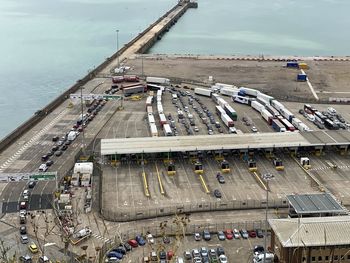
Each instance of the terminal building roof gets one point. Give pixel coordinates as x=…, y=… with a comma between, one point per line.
x=223, y=142
x=312, y=231
x=315, y=204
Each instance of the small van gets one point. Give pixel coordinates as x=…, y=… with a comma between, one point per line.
x=232, y=130
x=43, y=168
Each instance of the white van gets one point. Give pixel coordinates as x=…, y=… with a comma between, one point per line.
x=43, y=168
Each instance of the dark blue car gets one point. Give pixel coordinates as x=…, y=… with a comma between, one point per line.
x=115, y=254
x=140, y=240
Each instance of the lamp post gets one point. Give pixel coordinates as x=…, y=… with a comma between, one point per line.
x=117, y=46
x=266, y=177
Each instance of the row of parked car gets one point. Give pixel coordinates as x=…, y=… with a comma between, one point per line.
x=230, y=234
x=205, y=255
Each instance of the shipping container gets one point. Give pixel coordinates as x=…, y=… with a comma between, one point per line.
x=167, y=130
x=215, y=98
x=301, y=77
x=277, y=105
x=221, y=102
x=157, y=80
x=267, y=116
x=117, y=79
x=125, y=86
x=131, y=78
x=162, y=119
x=151, y=118
x=257, y=106
x=288, y=125
x=230, y=112
x=248, y=91
x=149, y=109
x=154, y=131
x=149, y=101
x=229, y=91
x=287, y=114
x=134, y=90
x=278, y=126
x=275, y=113
x=263, y=97
x=292, y=64
x=201, y=91
x=160, y=108
x=241, y=99
x=223, y=85
x=296, y=122
x=227, y=120
x=219, y=110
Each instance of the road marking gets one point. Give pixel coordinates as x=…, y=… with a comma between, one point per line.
x=310, y=86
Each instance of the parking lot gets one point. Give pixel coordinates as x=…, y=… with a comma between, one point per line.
x=236, y=249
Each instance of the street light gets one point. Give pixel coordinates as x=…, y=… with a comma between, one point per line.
x=118, y=46
x=266, y=177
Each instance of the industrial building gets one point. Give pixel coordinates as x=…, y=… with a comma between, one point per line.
x=313, y=239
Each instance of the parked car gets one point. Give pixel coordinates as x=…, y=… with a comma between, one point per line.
x=204, y=252
x=187, y=255
x=166, y=240
x=259, y=233
x=206, y=235
x=220, y=251
x=140, y=240
x=33, y=248
x=217, y=193
x=221, y=235
x=150, y=238
x=223, y=259
x=244, y=233
x=23, y=230
x=58, y=153
x=220, y=178
x=197, y=236
x=49, y=163
x=24, y=239
x=252, y=233
x=133, y=243
x=31, y=184
x=229, y=233
x=25, y=259
x=236, y=234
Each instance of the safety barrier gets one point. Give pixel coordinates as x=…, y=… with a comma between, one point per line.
x=122, y=214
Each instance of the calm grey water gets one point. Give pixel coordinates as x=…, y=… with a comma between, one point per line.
x=47, y=45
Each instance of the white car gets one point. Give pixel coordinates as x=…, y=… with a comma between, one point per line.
x=43, y=168
x=150, y=239
x=236, y=234
x=223, y=259
x=197, y=236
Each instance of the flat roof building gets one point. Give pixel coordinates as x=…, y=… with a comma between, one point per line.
x=311, y=205
x=317, y=239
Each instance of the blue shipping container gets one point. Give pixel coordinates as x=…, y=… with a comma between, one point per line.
x=301, y=77
x=292, y=65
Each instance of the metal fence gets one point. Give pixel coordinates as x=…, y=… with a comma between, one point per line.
x=128, y=214
x=172, y=230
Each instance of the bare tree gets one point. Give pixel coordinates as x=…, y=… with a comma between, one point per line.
x=4, y=253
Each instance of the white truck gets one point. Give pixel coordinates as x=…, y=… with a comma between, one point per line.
x=167, y=130
x=227, y=120
x=71, y=136
x=277, y=105
x=248, y=91
x=151, y=118
x=257, y=106
x=153, y=128
x=265, y=98
x=222, y=102
x=201, y=91
x=227, y=91
x=158, y=80
x=81, y=235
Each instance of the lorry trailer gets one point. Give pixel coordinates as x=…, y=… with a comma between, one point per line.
x=134, y=90
x=203, y=92
x=278, y=126
x=227, y=120
x=158, y=80
x=230, y=112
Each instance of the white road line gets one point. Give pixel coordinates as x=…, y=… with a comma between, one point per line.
x=310, y=86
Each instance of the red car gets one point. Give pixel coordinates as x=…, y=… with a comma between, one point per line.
x=133, y=243
x=228, y=233
x=170, y=254
x=252, y=233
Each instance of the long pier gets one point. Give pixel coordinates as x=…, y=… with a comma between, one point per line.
x=141, y=43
